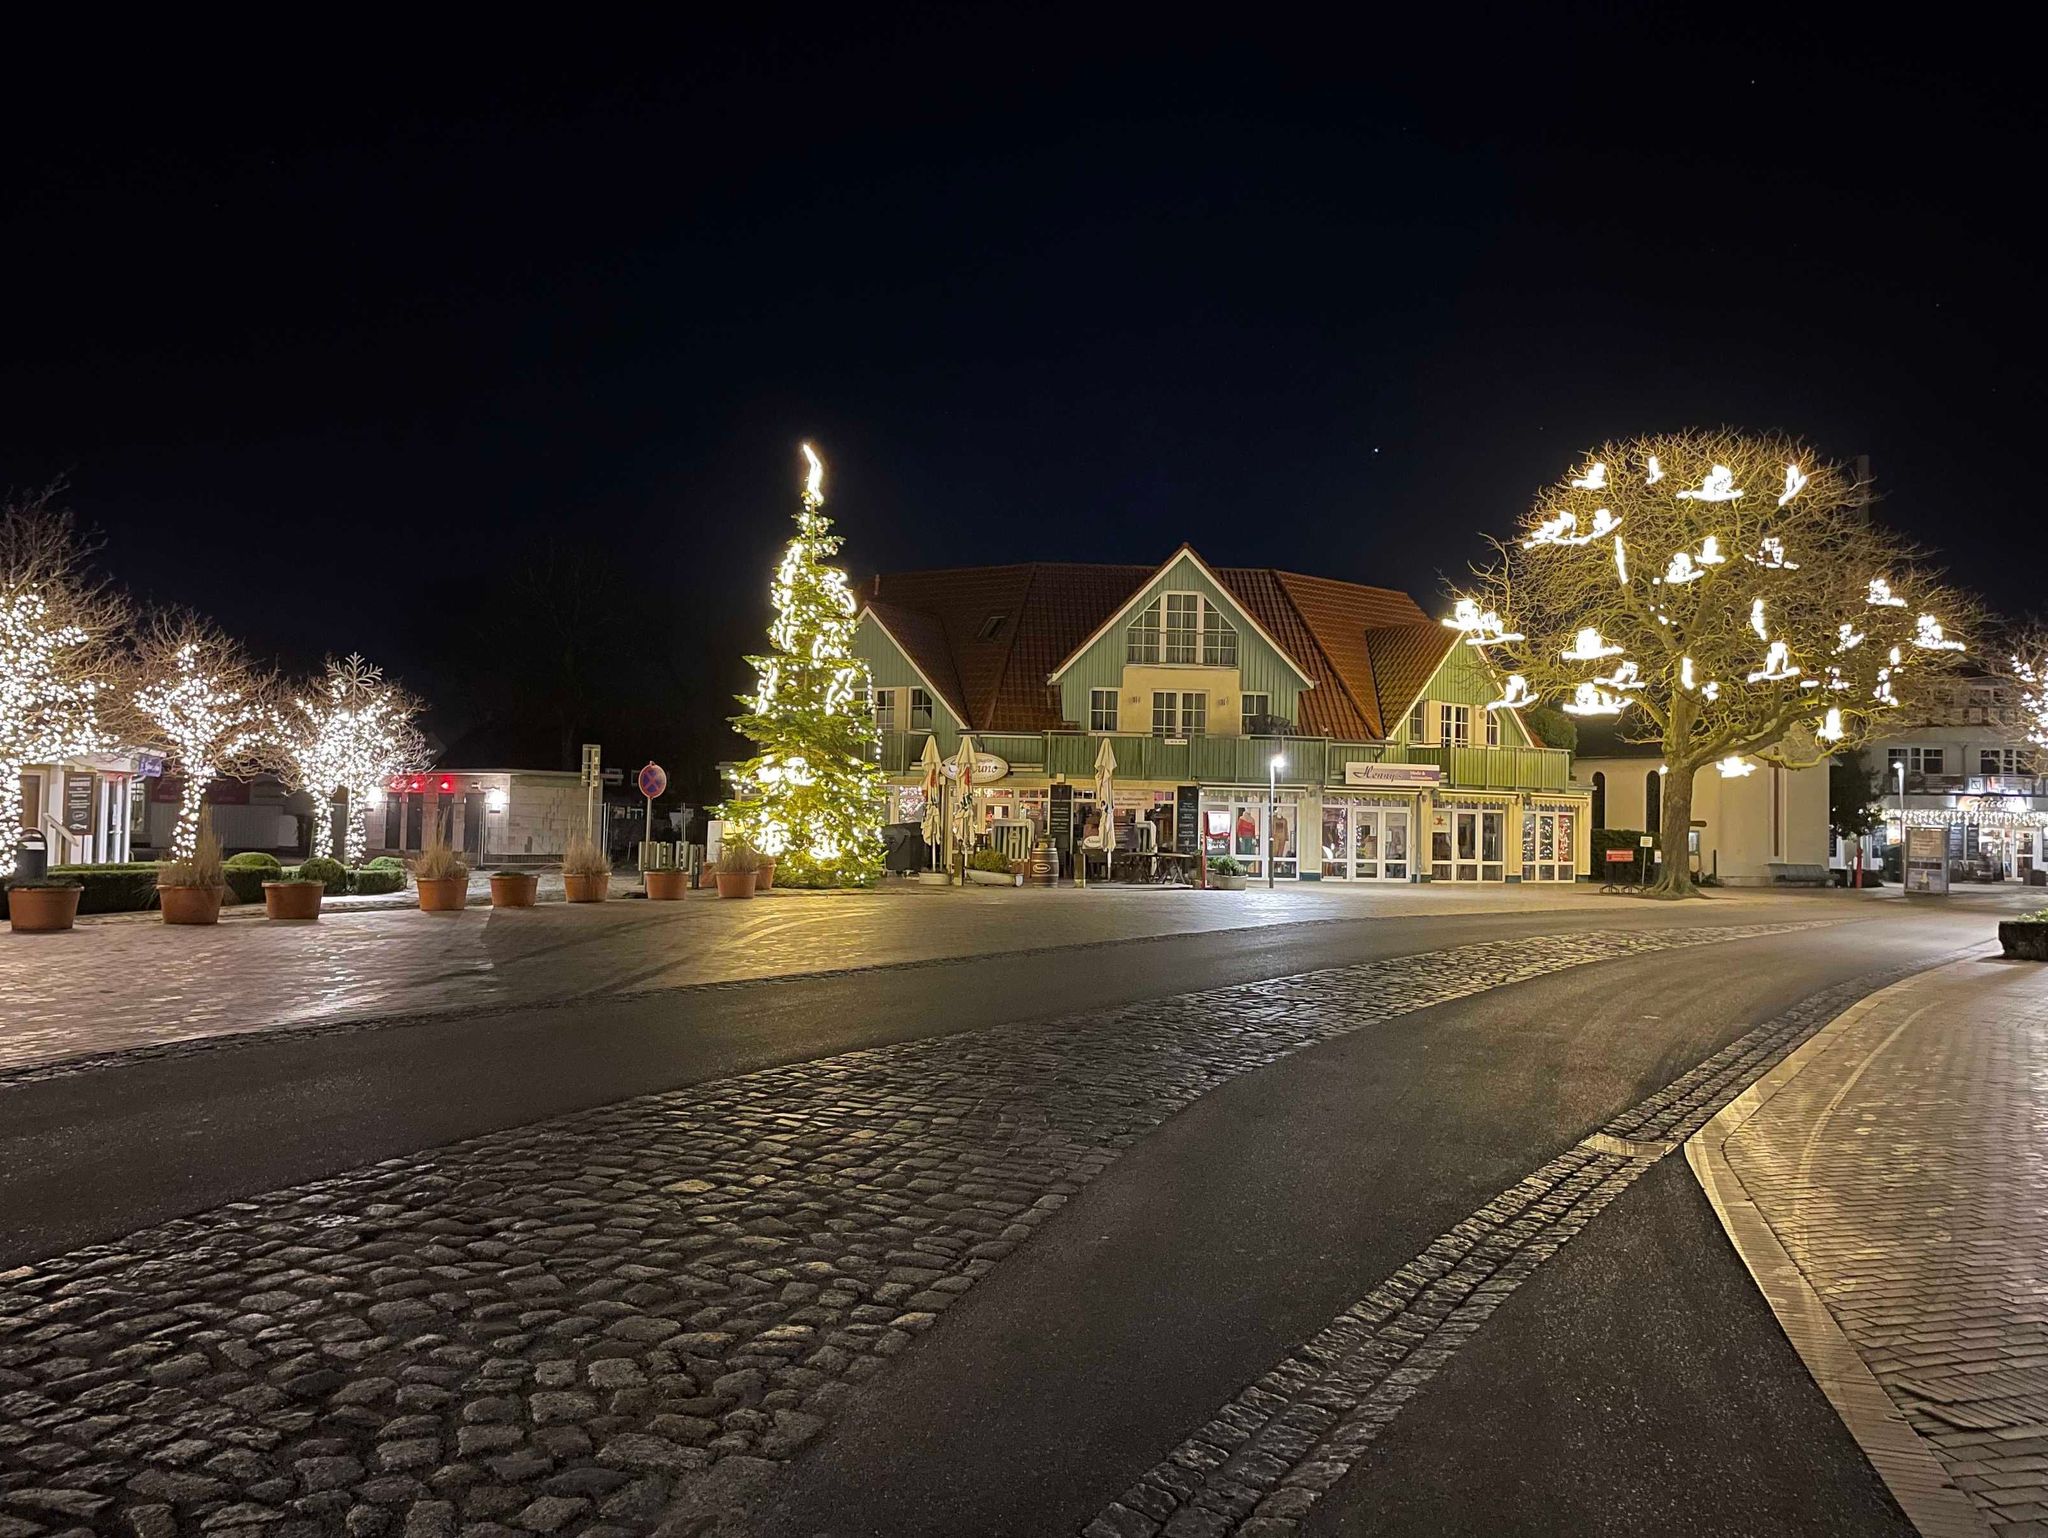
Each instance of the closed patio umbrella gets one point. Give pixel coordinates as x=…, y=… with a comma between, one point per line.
x=963, y=794
x=933, y=823
x=1105, y=798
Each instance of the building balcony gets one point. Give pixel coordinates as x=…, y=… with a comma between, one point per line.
x=1242, y=760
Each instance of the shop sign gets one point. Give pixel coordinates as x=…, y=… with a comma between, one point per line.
x=987, y=767
x=149, y=765
x=78, y=790
x=1060, y=818
x=1927, y=859
x=1186, y=818
x=1394, y=776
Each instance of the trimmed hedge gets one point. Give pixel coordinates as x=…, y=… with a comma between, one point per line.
x=386, y=862
x=331, y=874
x=376, y=880
x=247, y=872
x=129, y=888
x=1630, y=839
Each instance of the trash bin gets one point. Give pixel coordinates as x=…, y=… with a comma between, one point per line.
x=32, y=857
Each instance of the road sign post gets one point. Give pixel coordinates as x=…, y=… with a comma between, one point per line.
x=593, y=777
x=653, y=781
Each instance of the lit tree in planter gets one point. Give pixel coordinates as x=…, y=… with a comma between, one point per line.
x=811, y=796
x=350, y=732
x=1726, y=597
x=2029, y=672
x=59, y=657
x=202, y=698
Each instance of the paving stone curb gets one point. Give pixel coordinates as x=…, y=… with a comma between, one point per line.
x=561, y=1327
x=1257, y=1468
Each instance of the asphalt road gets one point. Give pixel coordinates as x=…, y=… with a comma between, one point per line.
x=1636, y=1384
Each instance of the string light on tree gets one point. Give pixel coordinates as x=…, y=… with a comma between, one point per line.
x=1517, y=694
x=1928, y=636
x=348, y=734
x=811, y=796
x=1735, y=767
x=1564, y=529
x=1480, y=628
x=204, y=700
x=1831, y=728
x=1595, y=478
x=1705, y=649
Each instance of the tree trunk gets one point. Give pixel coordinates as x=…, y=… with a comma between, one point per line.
x=1674, y=877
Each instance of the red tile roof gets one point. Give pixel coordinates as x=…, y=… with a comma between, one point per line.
x=994, y=674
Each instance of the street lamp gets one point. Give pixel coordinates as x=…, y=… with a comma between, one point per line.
x=1899, y=774
x=1273, y=767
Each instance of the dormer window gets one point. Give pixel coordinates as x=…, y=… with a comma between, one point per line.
x=990, y=628
x=1181, y=628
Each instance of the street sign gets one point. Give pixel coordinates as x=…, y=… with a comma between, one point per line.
x=653, y=780
x=612, y=777
x=593, y=758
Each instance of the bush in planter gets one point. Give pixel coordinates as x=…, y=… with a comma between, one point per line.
x=331, y=874
x=376, y=881
x=1225, y=865
x=385, y=862
x=989, y=858
x=246, y=873
x=735, y=858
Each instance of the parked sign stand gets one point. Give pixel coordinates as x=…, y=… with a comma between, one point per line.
x=653, y=781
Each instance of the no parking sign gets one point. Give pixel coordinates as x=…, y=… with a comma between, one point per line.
x=653, y=780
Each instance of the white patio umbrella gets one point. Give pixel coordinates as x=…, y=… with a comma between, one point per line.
x=963, y=794
x=1105, y=795
x=933, y=823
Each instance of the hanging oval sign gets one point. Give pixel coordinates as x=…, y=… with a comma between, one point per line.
x=986, y=767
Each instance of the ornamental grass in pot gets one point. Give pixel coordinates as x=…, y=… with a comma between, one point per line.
x=514, y=888
x=189, y=890
x=666, y=885
x=295, y=897
x=586, y=872
x=441, y=875
x=43, y=904
x=738, y=869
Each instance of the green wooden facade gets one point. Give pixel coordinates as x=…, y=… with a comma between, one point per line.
x=888, y=668
x=1464, y=680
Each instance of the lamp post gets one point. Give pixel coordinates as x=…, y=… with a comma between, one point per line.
x=1899, y=774
x=1273, y=767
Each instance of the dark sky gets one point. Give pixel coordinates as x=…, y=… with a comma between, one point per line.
x=328, y=333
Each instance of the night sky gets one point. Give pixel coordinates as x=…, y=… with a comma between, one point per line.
x=395, y=342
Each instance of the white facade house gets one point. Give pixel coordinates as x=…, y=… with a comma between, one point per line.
x=1969, y=769
x=1745, y=819
x=85, y=808
x=508, y=817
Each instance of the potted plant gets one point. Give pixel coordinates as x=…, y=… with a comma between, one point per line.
x=764, y=872
x=739, y=869
x=989, y=866
x=293, y=897
x=190, y=890
x=2026, y=937
x=666, y=885
x=441, y=875
x=1226, y=873
x=43, y=904
x=514, y=888
x=586, y=872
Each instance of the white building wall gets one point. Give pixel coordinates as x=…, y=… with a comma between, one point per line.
x=1747, y=829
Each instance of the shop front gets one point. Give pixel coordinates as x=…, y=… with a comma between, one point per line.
x=1550, y=840
x=1368, y=838
x=1235, y=823
x=1468, y=841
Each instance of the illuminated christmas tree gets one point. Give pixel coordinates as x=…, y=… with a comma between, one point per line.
x=1722, y=596
x=811, y=796
x=352, y=732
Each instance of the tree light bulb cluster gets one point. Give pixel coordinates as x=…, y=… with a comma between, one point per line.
x=351, y=733
x=1718, y=486
x=1589, y=646
x=49, y=709
x=1735, y=767
x=1480, y=629
x=1770, y=554
x=1516, y=695
x=1928, y=636
x=1591, y=700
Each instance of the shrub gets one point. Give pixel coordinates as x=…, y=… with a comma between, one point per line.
x=736, y=857
x=109, y=888
x=246, y=873
x=1630, y=839
x=1225, y=865
x=989, y=858
x=331, y=874
x=376, y=880
x=386, y=862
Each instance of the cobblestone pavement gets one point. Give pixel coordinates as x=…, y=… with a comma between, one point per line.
x=112, y=988
x=1905, y=1171
x=559, y=1328
x=1259, y=1467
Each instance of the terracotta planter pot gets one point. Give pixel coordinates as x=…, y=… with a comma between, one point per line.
x=667, y=886
x=739, y=883
x=36, y=910
x=764, y=877
x=190, y=904
x=292, y=899
x=442, y=894
x=587, y=889
x=509, y=889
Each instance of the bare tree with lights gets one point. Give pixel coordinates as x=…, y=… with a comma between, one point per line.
x=216, y=711
x=2027, y=674
x=348, y=732
x=61, y=662
x=1726, y=597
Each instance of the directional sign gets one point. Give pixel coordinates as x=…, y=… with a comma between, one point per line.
x=653, y=780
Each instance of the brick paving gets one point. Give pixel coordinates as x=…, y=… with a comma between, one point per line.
x=1260, y=1465
x=1905, y=1171
x=563, y=1327
x=120, y=987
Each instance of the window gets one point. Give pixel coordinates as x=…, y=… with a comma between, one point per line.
x=1102, y=710
x=1454, y=725
x=1183, y=629
x=1418, y=722
x=1255, y=709
x=2001, y=761
x=1141, y=641
x=885, y=710
x=1179, y=714
x=1653, y=802
x=990, y=628
x=1929, y=760
x=920, y=711
x=1599, y=799
x=1183, y=626
x=1493, y=728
